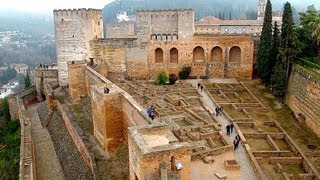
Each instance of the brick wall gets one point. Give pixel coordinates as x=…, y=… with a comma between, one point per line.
x=146, y=165
x=77, y=80
x=13, y=107
x=304, y=98
x=134, y=60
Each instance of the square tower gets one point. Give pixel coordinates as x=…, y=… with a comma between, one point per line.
x=261, y=9
x=74, y=29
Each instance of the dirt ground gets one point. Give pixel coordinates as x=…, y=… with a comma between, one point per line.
x=299, y=132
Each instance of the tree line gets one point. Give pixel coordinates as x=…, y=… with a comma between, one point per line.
x=278, y=49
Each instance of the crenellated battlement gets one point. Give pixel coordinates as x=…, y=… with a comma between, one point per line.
x=165, y=10
x=77, y=12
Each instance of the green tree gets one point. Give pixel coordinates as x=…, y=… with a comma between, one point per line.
x=27, y=81
x=272, y=60
x=287, y=53
x=265, y=41
x=316, y=33
x=185, y=72
x=307, y=34
x=162, y=78
x=4, y=109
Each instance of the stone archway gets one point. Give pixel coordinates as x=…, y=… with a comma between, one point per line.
x=158, y=55
x=198, y=54
x=216, y=54
x=235, y=55
x=174, y=55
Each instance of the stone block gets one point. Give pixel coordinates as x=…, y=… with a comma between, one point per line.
x=231, y=165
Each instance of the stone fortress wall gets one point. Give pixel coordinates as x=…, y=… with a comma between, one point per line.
x=120, y=30
x=158, y=40
x=164, y=23
x=74, y=29
x=112, y=113
x=303, y=98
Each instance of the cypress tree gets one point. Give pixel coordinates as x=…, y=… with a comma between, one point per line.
x=272, y=60
x=27, y=81
x=287, y=53
x=265, y=41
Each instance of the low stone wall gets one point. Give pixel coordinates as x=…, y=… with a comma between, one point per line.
x=286, y=160
x=27, y=165
x=303, y=98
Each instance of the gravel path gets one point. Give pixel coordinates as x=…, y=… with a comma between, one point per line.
x=246, y=169
x=71, y=160
x=47, y=162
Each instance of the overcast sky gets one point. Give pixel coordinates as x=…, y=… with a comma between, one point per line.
x=49, y=5
x=46, y=6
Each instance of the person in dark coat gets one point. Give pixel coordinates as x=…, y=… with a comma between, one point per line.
x=231, y=127
x=228, y=129
x=235, y=144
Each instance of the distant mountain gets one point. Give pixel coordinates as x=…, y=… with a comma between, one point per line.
x=237, y=8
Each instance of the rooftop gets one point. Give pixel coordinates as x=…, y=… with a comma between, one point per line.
x=155, y=138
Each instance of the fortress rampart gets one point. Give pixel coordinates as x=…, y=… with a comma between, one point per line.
x=304, y=96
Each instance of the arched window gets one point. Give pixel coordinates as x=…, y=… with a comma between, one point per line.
x=235, y=54
x=198, y=54
x=174, y=55
x=158, y=55
x=216, y=54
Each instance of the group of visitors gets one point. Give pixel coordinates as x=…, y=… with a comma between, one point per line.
x=151, y=112
x=219, y=111
x=200, y=86
x=229, y=128
x=45, y=66
x=236, y=142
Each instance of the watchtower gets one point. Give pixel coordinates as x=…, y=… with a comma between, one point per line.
x=261, y=9
x=74, y=29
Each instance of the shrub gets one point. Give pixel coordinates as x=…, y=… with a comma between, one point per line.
x=172, y=79
x=185, y=72
x=162, y=78
x=309, y=64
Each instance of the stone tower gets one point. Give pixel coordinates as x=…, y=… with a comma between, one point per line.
x=261, y=9
x=74, y=29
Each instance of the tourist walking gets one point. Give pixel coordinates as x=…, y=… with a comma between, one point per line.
x=151, y=112
x=228, y=129
x=199, y=85
x=217, y=111
x=220, y=110
x=235, y=144
x=106, y=90
x=238, y=138
x=231, y=127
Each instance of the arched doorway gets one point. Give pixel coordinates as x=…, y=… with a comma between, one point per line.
x=159, y=55
x=235, y=55
x=216, y=54
x=174, y=55
x=198, y=54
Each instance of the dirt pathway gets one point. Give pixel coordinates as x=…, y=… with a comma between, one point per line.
x=47, y=162
x=240, y=154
